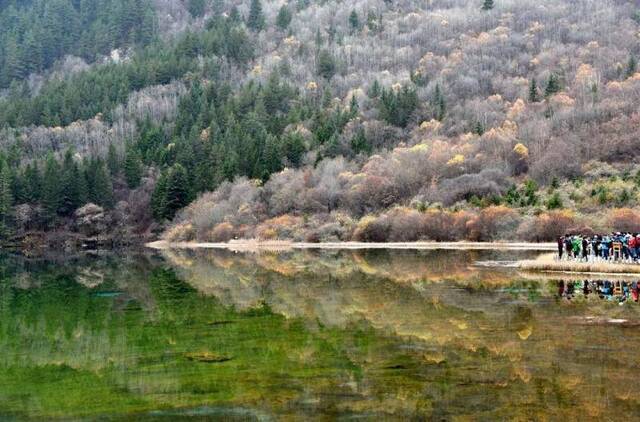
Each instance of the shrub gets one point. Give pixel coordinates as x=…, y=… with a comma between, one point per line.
x=181, y=232
x=486, y=184
x=493, y=223
x=406, y=225
x=284, y=227
x=624, y=219
x=547, y=226
x=372, y=229
x=554, y=202
x=223, y=232
x=439, y=225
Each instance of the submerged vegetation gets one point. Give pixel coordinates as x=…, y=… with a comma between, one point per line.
x=307, y=333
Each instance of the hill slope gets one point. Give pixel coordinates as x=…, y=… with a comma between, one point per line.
x=328, y=120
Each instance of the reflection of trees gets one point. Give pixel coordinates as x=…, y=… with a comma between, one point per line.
x=476, y=325
x=422, y=335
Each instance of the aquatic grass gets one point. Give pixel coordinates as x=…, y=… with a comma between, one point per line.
x=547, y=262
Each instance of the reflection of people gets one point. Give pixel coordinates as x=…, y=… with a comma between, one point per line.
x=621, y=291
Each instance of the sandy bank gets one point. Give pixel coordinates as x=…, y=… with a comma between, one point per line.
x=547, y=263
x=284, y=245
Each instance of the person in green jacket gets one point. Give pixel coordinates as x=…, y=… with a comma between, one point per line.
x=576, y=244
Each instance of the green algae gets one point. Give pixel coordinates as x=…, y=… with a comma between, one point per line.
x=249, y=338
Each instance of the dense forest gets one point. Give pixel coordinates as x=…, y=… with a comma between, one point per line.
x=318, y=120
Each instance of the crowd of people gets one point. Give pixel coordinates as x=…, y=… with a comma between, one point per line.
x=609, y=247
x=620, y=291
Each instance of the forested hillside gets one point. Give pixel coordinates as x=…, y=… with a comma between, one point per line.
x=318, y=120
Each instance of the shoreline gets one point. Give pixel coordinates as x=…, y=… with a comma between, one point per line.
x=286, y=245
x=547, y=263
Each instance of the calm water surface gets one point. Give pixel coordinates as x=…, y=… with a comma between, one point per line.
x=423, y=335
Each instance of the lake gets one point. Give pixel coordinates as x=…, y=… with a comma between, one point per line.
x=379, y=334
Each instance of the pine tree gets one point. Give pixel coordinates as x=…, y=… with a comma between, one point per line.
x=294, y=149
x=196, y=8
x=100, y=189
x=354, y=21
x=354, y=107
x=133, y=168
x=159, y=197
x=217, y=7
x=32, y=183
x=271, y=158
x=553, y=86
x=439, y=104
x=359, y=142
x=478, y=128
x=533, y=91
x=113, y=161
x=487, y=5
x=374, y=89
x=256, y=21
x=51, y=189
x=177, y=193
x=372, y=21
x=284, y=17
x=6, y=199
x=326, y=64
x=631, y=66
x=70, y=192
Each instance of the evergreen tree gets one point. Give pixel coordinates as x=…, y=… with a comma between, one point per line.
x=354, y=107
x=631, y=66
x=553, y=86
x=218, y=7
x=354, y=21
x=177, y=193
x=359, y=142
x=487, y=5
x=326, y=66
x=113, y=161
x=51, y=189
x=70, y=189
x=372, y=21
x=284, y=17
x=100, y=189
x=439, y=104
x=374, y=89
x=133, y=167
x=32, y=189
x=159, y=197
x=196, y=8
x=256, y=21
x=397, y=107
x=294, y=149
x=533, y=91
x=6, y=199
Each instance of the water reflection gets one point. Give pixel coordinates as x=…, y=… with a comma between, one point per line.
x=612, y=290
x=333, y=334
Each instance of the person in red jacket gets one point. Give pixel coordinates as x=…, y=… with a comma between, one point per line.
x=632, y=245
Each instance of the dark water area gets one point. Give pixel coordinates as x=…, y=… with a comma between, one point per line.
x=393, y=335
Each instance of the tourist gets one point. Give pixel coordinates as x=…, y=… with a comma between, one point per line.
x=567, y=245
x=560, y=247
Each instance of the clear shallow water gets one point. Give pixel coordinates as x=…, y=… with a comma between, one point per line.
x=207, y=335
